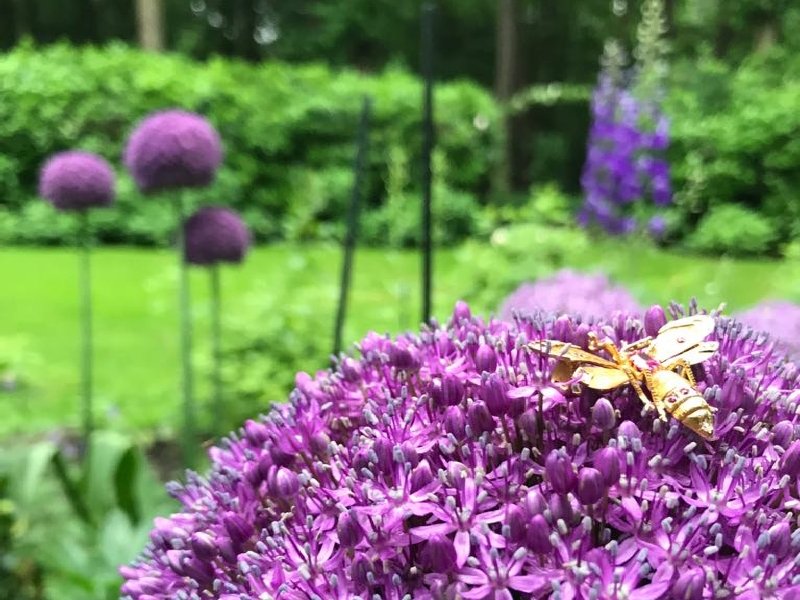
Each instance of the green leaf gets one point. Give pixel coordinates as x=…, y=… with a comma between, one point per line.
x=126, y=477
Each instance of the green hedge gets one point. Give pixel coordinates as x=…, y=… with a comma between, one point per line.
x=288, y=132
x=737, y=144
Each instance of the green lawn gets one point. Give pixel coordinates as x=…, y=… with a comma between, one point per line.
x=136, y=367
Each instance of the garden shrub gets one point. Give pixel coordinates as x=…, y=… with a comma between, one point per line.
x=288, y=132
x=735, y=143
x=732, y=229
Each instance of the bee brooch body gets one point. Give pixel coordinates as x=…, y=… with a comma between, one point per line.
x=661, y=366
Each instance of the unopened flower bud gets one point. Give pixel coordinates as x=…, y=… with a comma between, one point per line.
x=603, y=415
x=349, y=529
x=461, y=312
x=479, y=418
x=790, y=461
x=561, y=508
x=351, y=370
x=783, y=434
x=527, y=423
x=629, y=430
x=580, y=336
x=237, y=528
x=535, y=502
x=606, y=460
x=690, y=585
x=562, y=329
x=486, y=359
x=779, y=539
x=517, y=523
x=591, y=485
x=493, y=392
x=420, y=476
x=256, y=433
x=455, y=422
x=439, y=554
x=654, y=319
x=560, y=472
x=402, y=358
x=538, y=536
x=360, y=569
x=447, y=391
x=283, y=483
x=203, y=546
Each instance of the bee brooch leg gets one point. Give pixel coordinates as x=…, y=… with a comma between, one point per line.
x=685, y=371
x=655, y=403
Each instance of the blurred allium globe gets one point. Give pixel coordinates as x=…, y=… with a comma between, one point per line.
x=446, y=465
x=779, y=319
x=214, y=235
x=588, y=295
x=173, y=149
x=77, y=180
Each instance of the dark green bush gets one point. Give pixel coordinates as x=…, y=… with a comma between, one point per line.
x=288, y=132
x=736, y=143
x=735, y=230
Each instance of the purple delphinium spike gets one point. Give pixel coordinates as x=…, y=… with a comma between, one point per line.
x=368, y=484
x=625, y=157
x=570, y=292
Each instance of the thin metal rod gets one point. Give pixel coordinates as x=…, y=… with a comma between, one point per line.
x=216, y=347
x=428, y=10
x=352, y=223
x=85, y=285
x=184, y=305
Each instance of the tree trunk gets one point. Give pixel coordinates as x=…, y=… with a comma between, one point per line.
x=505, y=82
x=150, y=23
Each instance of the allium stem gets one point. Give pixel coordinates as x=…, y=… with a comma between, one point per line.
x=184, y=303
x=85, y=285
x=427, y=152
x=352, y=223
x=216, y=345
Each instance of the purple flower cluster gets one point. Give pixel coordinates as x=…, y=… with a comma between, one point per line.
x=624, y=162
x=77, y=180
x=572, y=293
x=173, y=149
x=215, y=234
x=780, y=320
x=447, y=465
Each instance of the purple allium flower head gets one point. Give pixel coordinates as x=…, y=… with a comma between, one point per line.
x=780, y=320
x=413, y=497
x=76, y=180
x=173, y=149
x=215, y=234
x=570, y=292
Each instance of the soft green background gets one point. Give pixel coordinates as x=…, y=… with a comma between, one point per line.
x=135, y=310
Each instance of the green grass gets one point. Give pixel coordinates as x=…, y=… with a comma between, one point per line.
x=136, y=321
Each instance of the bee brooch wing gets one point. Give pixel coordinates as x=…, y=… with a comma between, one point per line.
x=595, y=371
x=601, y=378
x=569, y=352
x=683, y=340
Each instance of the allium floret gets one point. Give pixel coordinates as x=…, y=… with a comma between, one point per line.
x=570, y=292
x=215, y=235
x=375, y=482
x=173, y=149
x=77, y=180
